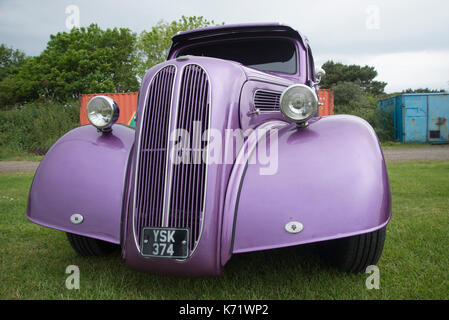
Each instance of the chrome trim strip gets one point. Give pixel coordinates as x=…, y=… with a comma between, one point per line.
x=167, y=209
x=164, y=212
x=263, y=77
x=267, y=90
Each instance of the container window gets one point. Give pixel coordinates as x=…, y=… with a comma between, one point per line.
x=434, y=134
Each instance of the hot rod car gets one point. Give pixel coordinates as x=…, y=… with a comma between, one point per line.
x=228, y=156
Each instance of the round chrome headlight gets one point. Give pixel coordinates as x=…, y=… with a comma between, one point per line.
x=102, y=112
x=299, y=103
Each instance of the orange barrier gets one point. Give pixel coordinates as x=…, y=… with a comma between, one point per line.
x=128, y=101
x=326, y=98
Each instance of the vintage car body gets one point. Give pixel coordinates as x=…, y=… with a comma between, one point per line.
x=329, y=179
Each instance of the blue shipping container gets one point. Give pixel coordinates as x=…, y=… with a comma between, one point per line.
x=418, y=118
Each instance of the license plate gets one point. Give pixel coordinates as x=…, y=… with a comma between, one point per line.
x=165, y=242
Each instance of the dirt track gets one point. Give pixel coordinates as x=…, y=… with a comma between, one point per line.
x=18, y=166
x=429, y=153
x=394, y=154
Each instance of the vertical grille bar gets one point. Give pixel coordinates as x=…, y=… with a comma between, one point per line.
x=152, y=153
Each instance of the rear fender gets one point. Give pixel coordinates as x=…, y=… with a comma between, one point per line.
x=331, y=178
x=83, y=173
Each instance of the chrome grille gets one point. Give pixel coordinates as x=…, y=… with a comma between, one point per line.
x=152, y=152
x=265, y=100
x=188, y=185
x=184, y=183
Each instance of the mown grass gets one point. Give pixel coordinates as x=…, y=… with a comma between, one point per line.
x=413, y=266
x=400, y=145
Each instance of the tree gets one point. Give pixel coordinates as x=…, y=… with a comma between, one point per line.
x=87, y=60
x=364, y=76
x=154, y=45
x=423, y=90
x=349, y=94
x=10, y=60
x=84, y=60
x=8, y=92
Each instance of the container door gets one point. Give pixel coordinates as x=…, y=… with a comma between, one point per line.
x=397, y=118
x=323, y=98
x=415, y=118
x=438, y=116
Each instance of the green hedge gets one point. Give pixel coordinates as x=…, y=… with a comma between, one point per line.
x=381, y=122
x=36, y=125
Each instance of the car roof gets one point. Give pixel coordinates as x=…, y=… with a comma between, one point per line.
x=233, y=30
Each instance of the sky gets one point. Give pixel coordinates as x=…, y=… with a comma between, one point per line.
x=406, y=41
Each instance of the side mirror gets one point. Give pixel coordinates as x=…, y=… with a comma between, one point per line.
x=319, y=72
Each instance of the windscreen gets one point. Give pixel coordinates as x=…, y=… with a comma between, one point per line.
x=272, y=55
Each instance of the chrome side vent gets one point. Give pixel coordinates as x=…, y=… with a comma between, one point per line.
x=266, y=101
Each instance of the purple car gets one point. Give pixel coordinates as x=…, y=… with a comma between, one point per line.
x=228, y=156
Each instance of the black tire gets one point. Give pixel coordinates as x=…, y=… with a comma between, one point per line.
x=354, y=254
x=88, y=247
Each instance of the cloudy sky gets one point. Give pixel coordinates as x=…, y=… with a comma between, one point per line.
x=406, y=41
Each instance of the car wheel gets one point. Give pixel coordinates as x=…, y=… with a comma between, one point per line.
x=354, y=254
x=86, y=246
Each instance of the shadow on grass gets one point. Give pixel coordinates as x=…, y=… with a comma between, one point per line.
x=285, y=273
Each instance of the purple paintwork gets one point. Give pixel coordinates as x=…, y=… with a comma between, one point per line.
x=331, y=175
x=341, y=192
x=83, y=173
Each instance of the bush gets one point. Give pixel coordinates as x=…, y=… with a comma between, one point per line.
x=350, y=99
x=37, y=125
x=385, y=126
x=382, y=122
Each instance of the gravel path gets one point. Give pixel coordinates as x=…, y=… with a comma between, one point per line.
x=18, y=166
x=437, y=152
x=392, y=154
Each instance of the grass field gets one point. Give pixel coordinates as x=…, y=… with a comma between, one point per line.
x=400, y=145
x=414, y=264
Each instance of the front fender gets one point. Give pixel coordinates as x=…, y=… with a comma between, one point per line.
x=83, y=173
x=331, y=177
